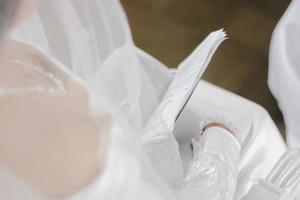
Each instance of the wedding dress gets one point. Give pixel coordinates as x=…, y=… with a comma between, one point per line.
x=284, y=73
x=124, y=169
x=92, y=41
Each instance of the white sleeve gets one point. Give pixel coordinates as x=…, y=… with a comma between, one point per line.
x=284, y=70
x=213, y=171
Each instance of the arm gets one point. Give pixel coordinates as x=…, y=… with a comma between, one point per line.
x=213, y=171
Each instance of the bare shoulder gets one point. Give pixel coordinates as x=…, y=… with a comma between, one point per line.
x=48, y=135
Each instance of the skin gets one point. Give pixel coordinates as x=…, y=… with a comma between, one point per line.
x=51, y=141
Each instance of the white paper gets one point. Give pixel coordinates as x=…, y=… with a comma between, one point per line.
x=181, y=88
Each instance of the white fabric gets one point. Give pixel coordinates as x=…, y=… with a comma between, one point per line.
x=13, y=189
x=284, y=70
x=261, y=142
x=131, y=80
x=288, y=180
x=92, y=39
x=103, y=56
x=214, y=166
x=102, y=47
x=158, y=138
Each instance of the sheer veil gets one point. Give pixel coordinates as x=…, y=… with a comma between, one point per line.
x=93, y=40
